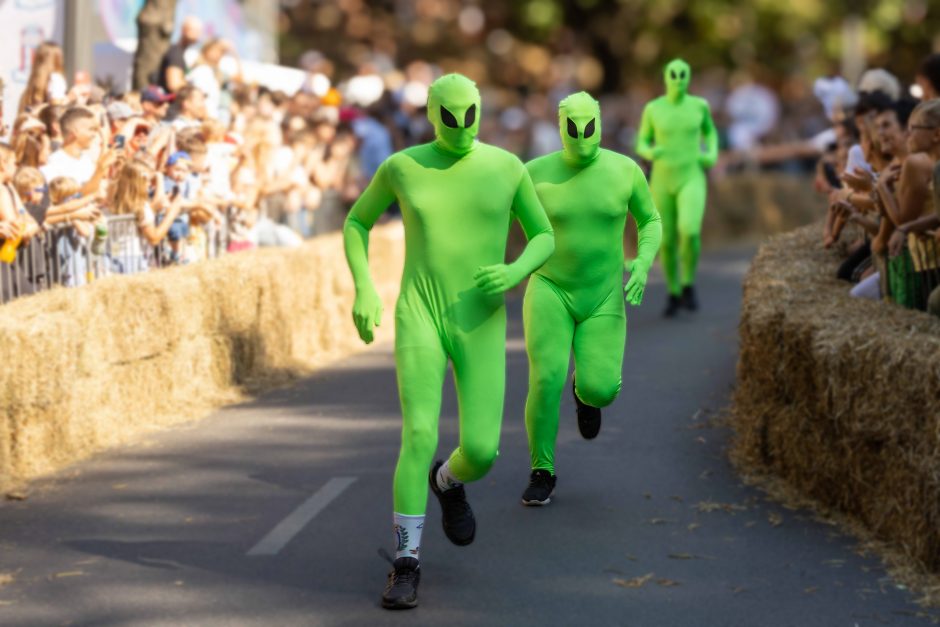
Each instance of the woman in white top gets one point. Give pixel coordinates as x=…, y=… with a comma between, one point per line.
x=207, y=76
x=46, y=83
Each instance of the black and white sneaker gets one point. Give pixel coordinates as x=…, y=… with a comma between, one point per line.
x=541, y=488
x=456, y=516
x=589, y=417
x=672, y=306
x=401, y=590
x=689, y=301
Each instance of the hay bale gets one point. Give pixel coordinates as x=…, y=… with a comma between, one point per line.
x=839, y=396
x=95, y=367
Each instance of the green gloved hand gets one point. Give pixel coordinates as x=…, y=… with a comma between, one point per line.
x=636, y=285
x=496, y=279
x=367, y=312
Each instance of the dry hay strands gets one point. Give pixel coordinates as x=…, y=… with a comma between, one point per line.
x=839, y=396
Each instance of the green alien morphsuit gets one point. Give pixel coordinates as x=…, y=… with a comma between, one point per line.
x=457, y=197
x=672, y=132
x=576, y=300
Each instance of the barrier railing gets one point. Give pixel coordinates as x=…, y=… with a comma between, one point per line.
x=60, y=256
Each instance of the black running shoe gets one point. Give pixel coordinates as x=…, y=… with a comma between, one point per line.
x=689, y=301
x=456, y=515
x=589, y=418
x=401, y=590
x=541, y=488
x=672, y=306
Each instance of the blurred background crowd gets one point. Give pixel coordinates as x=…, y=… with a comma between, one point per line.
x=194, y=155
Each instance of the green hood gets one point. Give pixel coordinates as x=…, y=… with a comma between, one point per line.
x=677, y=75
x=579, y=121
x=454, y=111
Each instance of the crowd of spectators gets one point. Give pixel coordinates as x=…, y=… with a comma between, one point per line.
x=881, y=173
x=197, y=163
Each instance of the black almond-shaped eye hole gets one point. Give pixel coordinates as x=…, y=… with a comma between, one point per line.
x=682, y=74
x=572, y=129
x=589, y=129
x=448, y=118
x=672, y=74
x=470, y=117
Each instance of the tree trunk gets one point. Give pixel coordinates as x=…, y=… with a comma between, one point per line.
x=154, y=29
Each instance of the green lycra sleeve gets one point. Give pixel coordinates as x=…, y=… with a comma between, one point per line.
x=367, y=310
x=644, y=138
x=538, y=230
x=710, y=137
x=648, y=223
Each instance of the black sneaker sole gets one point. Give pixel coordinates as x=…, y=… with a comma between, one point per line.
x=538, y=503
x=399, y=604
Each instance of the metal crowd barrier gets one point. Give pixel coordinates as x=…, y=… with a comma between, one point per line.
x=59, y=256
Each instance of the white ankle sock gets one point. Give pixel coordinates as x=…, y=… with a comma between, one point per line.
x=445, y=478
x=408, y=535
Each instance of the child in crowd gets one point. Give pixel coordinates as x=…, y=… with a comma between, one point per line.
x=131, y=194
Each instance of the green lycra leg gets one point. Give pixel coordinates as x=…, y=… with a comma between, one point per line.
x=479, y=359
x=669, y=249
x=549, y=332
x=599, y=343
x=691, y=211
x=421, y=364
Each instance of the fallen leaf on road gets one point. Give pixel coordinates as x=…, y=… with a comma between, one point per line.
x=706, y=474
x=17, y=496
x=632, y=558
x=661, y=521
x=667, y=582
x=5, y=578
x=712, y=506
x=636, y=582
x=694, y=526
x=119, y=486
x=701, y=440
x=678, y=499
x=750, y=523
x=835, y=563
x=70, y=573
x=811, y=590
x=775, y=519
x=738, y=590
x=6, y=603
x=681, y=556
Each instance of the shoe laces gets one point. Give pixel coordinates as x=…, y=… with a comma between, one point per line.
x=455, y=499
x=539, y=479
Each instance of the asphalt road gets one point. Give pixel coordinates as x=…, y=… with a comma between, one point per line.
x=272, y=512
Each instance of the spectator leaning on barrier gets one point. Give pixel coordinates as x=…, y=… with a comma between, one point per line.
x=131, y=193
x=80, y=129
x=897, y=182
x=914, y=206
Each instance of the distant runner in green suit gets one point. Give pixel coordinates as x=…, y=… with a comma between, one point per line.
x=673, y=129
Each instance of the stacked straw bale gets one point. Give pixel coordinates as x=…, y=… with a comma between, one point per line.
x=88, y=368
x=840, y=397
